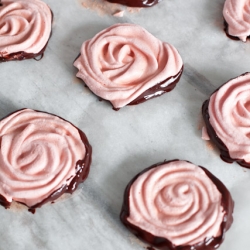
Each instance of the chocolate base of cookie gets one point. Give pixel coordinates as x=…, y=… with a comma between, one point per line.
x=82, y=170
x=163, y=243
x=19, y=56
x=224, y=153
x=136, y=3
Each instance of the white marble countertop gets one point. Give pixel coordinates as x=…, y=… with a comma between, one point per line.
x=127, y=141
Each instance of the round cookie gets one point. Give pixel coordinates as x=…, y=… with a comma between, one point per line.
x=126, y=65
x=25, y=28
x=236, y=15
x=42, y=156
x=227, y=118
x=177, y=205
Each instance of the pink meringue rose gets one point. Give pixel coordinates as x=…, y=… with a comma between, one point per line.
x=237, y=17
x=229, y=112
x=40, y=155
x=124, y=61
x=25, y=28
x=176, y=201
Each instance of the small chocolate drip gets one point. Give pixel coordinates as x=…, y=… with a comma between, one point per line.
x=4, y=202
x=150, y=248
x=39, y=58
x=164, y=244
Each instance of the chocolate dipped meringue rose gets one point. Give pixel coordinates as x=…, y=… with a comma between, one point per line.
x=126, y=65
x=136, y=3
x=25, y=28
x=236, y=14
x=176, y=205
x=227, y=118
x=42, y=156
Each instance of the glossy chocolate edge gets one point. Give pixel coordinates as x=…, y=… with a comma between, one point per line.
x=224, y=152
x=136, y=3
x=21, y=55
x=158, y=87
x=82, y=165
x=163, y=243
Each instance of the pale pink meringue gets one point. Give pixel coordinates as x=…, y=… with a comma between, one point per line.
x=237, y=16
x=176, y=201
x=25, y=26
x=38, y=155
x=123, y=61
x=229, y=111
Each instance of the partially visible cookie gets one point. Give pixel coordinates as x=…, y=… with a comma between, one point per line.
x=136, y=3
x=126, y=65
x=227, y=118
x=25, y=28
x=42, y=156
x=236, y=14
x=176, y=205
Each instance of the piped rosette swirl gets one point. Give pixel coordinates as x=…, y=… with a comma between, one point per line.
x=236, y=14
x=25, y=28
x=42, y=156
x=227, y=118
x=177, y=205
x=125, y=64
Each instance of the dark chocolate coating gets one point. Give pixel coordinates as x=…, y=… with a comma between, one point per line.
x=82, y=165
x=163, y=243
x=136, y=3
x=224, y=153
x=156, y=88
x=19, y=56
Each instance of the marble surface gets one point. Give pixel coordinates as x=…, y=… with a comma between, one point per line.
x=127, y=141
